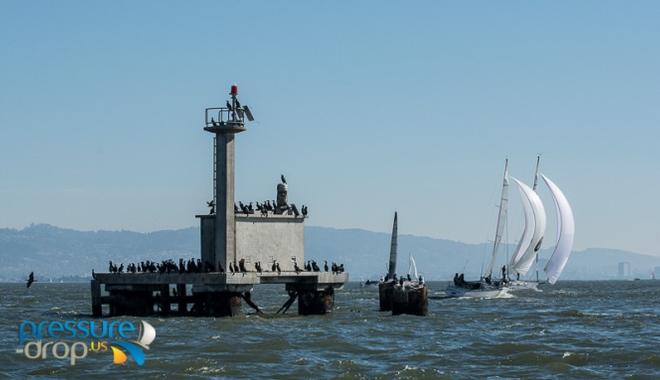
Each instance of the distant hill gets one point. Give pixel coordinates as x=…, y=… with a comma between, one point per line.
x=53, y=252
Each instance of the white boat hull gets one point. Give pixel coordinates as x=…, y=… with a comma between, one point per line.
x=455, y=291
x=523, y=285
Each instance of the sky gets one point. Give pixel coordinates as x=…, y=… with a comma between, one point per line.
x=367, y=107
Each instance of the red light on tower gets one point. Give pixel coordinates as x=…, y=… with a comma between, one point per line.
x=234, y=90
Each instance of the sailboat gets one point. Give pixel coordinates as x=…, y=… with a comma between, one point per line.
x=532, y=238
x=386, y=285
x=486, y=287
x=530, y=242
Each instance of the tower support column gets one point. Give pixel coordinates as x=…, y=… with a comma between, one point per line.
x=225, y=224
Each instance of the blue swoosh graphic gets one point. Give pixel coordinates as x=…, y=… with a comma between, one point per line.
x=133, y=349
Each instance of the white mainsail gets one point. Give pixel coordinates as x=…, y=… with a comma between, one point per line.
x=501, y=218
x=566, y=226
x=147, y=335
x=526, y=237
x=525, y=259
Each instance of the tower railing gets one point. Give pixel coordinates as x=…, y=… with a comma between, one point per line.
x=222, y=115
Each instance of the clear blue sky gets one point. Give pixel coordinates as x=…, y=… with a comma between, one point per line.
x=366, y=107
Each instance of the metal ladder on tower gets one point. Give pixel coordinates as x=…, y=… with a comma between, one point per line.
x=215, y=169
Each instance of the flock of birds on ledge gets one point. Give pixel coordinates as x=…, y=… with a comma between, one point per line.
x=196, y=266
x=266, y=207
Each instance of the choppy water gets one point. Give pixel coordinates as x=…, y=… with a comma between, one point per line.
x=572, y=330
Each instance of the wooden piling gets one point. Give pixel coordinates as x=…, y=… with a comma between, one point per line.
x=385, y=290
x=410, y=299
x=97, y=306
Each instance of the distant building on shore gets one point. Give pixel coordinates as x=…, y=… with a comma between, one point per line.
x=624, y=270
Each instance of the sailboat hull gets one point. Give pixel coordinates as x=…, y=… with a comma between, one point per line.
x=523, y=285
x=459, y=292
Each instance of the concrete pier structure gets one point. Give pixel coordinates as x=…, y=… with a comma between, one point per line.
x=240, y=248
x=205, y=294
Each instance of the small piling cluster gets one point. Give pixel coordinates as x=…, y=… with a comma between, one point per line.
x=401, y=296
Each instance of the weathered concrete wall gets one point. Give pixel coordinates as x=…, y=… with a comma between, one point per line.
x=207, y=231
x=276, y=237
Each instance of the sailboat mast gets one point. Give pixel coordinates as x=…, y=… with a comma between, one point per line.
x=536, y=173
x=536, y=182
x=393, y=248
x=501, y=217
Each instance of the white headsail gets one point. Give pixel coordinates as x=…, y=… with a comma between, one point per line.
x=412, y=267
x=501, y=218
x=566, y=226
x=525, y=259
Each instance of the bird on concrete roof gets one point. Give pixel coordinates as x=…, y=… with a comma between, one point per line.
x=272, y=267
x=325, y=266
x=277, y=265
x=231, y=267
x=283, y=179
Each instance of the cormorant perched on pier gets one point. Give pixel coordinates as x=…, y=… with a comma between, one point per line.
x=296, y=267
x=110, y=267
x=231, y=267
x=272, y=267
x=257, y=266
x=283, y=179
x=315, y=266
x=211, y=205
x=93, y=275
x=295, y=210
x=325, y=265
x=241, y=265
x=277, y=265
x=30, y=279
x=235, y=208
x=304, y=210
